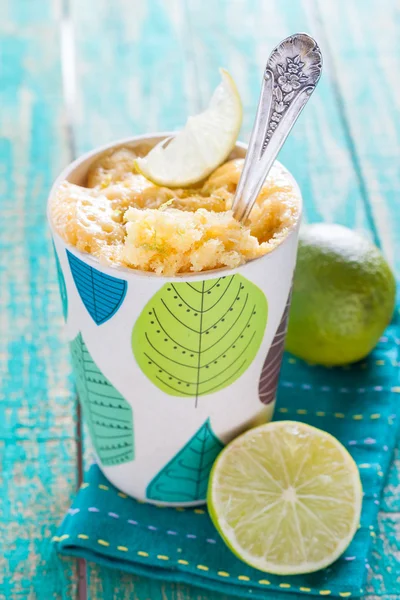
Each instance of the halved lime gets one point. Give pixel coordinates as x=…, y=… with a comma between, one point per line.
x=203, y=144
x=285, y=497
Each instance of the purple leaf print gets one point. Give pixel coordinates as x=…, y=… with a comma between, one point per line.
x=272, y=365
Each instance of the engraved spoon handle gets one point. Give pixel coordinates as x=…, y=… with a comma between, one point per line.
x=292, y=72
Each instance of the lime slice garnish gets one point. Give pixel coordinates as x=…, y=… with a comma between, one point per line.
x=205, y=142
x=286, y=498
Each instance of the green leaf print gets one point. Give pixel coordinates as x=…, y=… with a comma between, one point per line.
x=185, y=477
x=107, y=413
x=196, y=338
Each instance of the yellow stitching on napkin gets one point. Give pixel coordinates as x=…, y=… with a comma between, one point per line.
x=396, y=389
x=285, y=585
x=320, y=413
x=283, y=410
x=264, y=582
x=103, y=487
x=301, y=411
x=64, y=537
x=375, y=416
x=292, y=361
x=179, y=508
x=339, y=415
x=55, y=538
x=82, y=536
x=121, y=495
x=325, y=592
x=345, y=594
x=303, y=589
x=243, y=578
x=379, y=362
x=183, y=562
x=140, y=553
x=103, y=543
x=372, y=534
x=202, y=568
x=199, y=511
x=84, y=486
x=223, y=574
x=358, y=417
x=122, y=548
x=364, y=466
x=162, y=557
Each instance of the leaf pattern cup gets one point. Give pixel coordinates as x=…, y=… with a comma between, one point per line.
x=170, y=369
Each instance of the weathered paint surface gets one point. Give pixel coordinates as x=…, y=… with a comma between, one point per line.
x=143, y=65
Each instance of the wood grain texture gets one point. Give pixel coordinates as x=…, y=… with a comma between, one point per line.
x=137, y=79
x=364, y=64
x=134, y=66
x=37, y=428
x=364, y=53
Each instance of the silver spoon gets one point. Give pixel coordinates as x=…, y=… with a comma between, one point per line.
x=292, y=72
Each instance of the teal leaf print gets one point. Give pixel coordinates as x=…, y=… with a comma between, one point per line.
x=194, y=339
x=61, y=284
x=107, y=413
x=101, y=294
x=185, y=477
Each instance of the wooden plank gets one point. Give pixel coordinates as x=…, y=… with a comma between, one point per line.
x=365, y=59
x=37, y=429
x=137, y=79
x=107, y=583
x=365, y=53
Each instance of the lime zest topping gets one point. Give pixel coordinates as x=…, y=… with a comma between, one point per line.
x=165, y=205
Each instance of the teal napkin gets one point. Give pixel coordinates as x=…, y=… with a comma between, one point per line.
x=357, y=404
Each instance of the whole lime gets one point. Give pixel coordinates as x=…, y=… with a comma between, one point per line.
x=343, y=296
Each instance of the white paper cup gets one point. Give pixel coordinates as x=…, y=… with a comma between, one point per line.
x=170, y=369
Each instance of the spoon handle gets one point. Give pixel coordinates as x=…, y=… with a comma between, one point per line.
x=292, y=72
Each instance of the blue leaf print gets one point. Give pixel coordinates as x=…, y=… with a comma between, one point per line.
x=185, y=477
x=101, y=294
x=61, y=284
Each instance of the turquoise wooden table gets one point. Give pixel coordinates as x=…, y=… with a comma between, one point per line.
x=75, y=74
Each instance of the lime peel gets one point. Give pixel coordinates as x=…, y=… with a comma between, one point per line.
x=201, y=146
